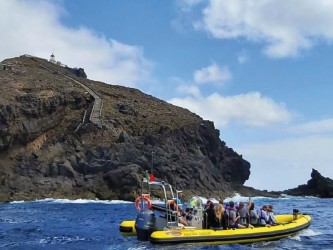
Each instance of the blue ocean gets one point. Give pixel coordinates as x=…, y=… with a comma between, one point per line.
x=92, y=224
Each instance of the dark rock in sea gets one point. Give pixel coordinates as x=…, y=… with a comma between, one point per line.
x=54, y=144
x=317, y=186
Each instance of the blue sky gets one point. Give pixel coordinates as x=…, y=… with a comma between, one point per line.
x=260, y=70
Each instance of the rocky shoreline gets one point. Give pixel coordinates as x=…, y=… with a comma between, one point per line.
x=318, y=186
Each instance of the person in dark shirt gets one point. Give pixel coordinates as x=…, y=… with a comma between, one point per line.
x=221, y=219
x=210, y=214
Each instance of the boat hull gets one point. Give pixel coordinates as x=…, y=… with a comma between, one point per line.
x=287, y=227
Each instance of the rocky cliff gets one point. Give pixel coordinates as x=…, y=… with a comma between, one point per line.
x=50, y=148
x=317, y=186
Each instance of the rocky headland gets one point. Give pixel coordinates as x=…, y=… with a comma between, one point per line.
x=318, y=185
x=56, y=141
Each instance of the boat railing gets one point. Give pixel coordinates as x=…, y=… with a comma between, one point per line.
x=168, y=194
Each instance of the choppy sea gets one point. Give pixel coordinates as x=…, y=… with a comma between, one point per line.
x=92, y=224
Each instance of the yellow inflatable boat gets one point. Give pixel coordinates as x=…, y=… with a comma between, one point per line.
x=158, y=223
x=127, y=228
x=287, y=227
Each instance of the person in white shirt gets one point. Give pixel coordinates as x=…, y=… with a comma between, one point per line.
x=263, y=216
x=271, y=219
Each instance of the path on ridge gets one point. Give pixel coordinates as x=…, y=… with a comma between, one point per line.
x=95, y=116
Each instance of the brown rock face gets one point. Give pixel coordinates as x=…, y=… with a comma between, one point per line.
x=50, y=148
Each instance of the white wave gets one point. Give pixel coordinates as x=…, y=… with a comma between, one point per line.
x=77, y=201
x=309, y=232
x=60, y=239
x=238, y=198
x=305, y=233
x=16, y=202
x=286, y=197
x=84, y=201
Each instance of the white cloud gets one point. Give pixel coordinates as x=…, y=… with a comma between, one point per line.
x=186, y=5
x=318, y=127
x=285, y=164
x=34, y=27
x=242, y=57
x=250, y=109
x=212, y=73
x=189, y=89
x=284, y=27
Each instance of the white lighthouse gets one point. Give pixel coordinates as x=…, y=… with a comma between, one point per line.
x=52, y=59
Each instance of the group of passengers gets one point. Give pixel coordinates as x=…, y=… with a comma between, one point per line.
x=244, y=215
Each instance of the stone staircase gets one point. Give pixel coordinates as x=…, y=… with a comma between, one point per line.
x=96, y=112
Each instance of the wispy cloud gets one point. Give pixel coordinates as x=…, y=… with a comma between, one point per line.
x=191, y=90
x=251, y=109
x=285, y=28
x=34, y=27
x=186, y=5
x=212, y=74
x=242, y=57
x=314, y=127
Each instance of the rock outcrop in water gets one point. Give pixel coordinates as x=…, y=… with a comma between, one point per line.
x=50, y=145
x=317, y=186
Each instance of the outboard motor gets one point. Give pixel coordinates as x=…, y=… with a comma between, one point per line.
x=295, y=214
x=144, y=224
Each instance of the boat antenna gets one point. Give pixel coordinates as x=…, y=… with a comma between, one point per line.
x=152, y=161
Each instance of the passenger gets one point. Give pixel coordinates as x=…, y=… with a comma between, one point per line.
x=199, y=203
x=207, y=204
x=211, y=218
x=188, y=215
x=226, y=206
x=221, y=218
x=179, y=212
x=243, y=211
x=196, y=202
x=254, y=217
x=234, y=217
x=263, y=216
x=271, y=218
x=180, y=198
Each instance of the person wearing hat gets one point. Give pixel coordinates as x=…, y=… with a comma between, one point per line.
x=263, y=216
x=270, y=213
